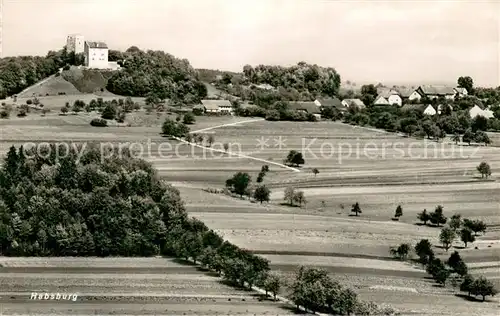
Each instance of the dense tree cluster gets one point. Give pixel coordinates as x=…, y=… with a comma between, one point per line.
x=98, y=206
x=158, y=75
x=436, y=218
x=292, y=196
x=174, y=129
x=18, y=73
x=277, y=111
x=316, y=291
x=454, y=269
x=302, y=77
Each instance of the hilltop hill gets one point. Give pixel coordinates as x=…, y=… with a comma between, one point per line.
x=87, y=80
x=53, y=85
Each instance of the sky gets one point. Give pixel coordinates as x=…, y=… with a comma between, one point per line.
x=374, y=41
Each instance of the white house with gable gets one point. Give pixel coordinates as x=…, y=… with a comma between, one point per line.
x=217, y=106
x=388, y=98
x=477, y=110
x=96, y=55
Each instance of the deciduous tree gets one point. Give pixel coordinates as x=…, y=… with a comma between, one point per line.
x=446, y=237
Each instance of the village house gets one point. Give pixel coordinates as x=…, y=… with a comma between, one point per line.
x=426, y=109
x=388, y=97
x=478, y=110
x=306, y=107
x=330, y=102
x=264, y=86
x=434, y=92
x=96, y=55
x=355, y=103
x=406, y=93
x=217, y=106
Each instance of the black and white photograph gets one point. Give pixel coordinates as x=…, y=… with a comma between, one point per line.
x=249, y=157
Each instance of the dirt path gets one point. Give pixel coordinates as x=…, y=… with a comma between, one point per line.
x=235, y=154
x=224, y=125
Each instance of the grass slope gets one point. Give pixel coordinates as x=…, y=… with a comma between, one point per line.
x=50, y=86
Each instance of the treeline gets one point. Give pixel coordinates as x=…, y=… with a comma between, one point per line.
x=157, y=75
x=316, y=291
x=454, y=269
x=415, y=123
x=301, y=77
x=60, y=202
x=281, y=111
x=18, y=73
x=264, y=85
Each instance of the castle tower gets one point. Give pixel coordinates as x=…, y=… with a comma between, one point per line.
x=75, y=43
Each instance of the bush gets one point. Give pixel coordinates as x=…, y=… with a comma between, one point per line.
x=99, y=122
x=188, y=118
x=4, y=114
x=29, y=102
x=67, y=67
x=21, y=113
x=198, y=111
x=109, y=112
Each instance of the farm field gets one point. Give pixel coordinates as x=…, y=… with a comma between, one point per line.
x=377, y=169
x=135, y=286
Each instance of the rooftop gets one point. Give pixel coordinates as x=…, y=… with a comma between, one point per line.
x=309, y=107
x=97, y=45
x=215, y=104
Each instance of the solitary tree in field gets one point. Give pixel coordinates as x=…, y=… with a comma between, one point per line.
x=446, y=237
x=273, y=284
x=424, y=216
x=466, y=285
x=210, y=140
x=199, y=139
x=399, y=212
x=188, y=118
x=484, y=169
x=454, y=259
x=289, y=195
x=261, y=194
x=466, y=236
x=294, y=158
x=475, y=225
x=455, y=222
x=64, y=110
x=356, y=209
x=226, y=146
x=441, y=276
x=260, y=177
x=468, y=136
x=299, y=198
x=437, y=218
x=401, y=252
x=423, y=249
x=239, y=183
x=315, y=171
x=483, y=287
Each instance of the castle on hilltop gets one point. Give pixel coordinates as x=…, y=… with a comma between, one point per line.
x=96, y=53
